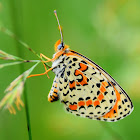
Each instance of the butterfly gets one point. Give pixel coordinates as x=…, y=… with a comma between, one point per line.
x=85, y=88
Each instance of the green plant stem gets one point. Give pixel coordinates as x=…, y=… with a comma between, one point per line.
x=27, y=115
x=15, y=25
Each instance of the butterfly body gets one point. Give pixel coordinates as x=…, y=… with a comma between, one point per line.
x=86, y=89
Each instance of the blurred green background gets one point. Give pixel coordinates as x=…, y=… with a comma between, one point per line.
x=106, y=31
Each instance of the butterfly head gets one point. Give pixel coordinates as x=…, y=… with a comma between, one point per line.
x=60, y=46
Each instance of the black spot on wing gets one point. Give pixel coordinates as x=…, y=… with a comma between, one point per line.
x=110, y=100
x=98, y=85
x=67, y=58
x=103, y=100
x=60, y=82
x=93, y=73
x=75, y=59
x=65, y=79
x=91, y=113
x=82, y=107
x=74, y=103
x=65, y=94
x=80, y=99
x=62, y=75
x=89, y=106
x=94, y=98
x=98, y=92
x=84, y=62
x=65, y=102
x=97, y=106
x=73, y=64
x=68, y=73
x=102, y=80
x=70, y=67
x=60, y=89
x=70, y=62
x=87, y=98
x=66, y=86
x=72, y=88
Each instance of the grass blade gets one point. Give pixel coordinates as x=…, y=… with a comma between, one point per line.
x=6, y=56
x=14, y=91
x=15, y=63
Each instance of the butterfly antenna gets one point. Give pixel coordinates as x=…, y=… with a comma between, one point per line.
x=60, y=28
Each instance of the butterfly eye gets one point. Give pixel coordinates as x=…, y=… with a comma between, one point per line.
x=60, y=46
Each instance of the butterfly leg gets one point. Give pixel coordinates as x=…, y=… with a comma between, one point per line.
x=46, y=71
x=55, y=57
x=42, y=55
x=40, y=73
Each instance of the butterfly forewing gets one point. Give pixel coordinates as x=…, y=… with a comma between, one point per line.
x=87, y=90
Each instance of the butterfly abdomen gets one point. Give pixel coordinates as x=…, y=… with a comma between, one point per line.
x=53, y=94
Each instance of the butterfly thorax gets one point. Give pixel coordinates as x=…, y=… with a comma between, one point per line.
x=58, y=65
